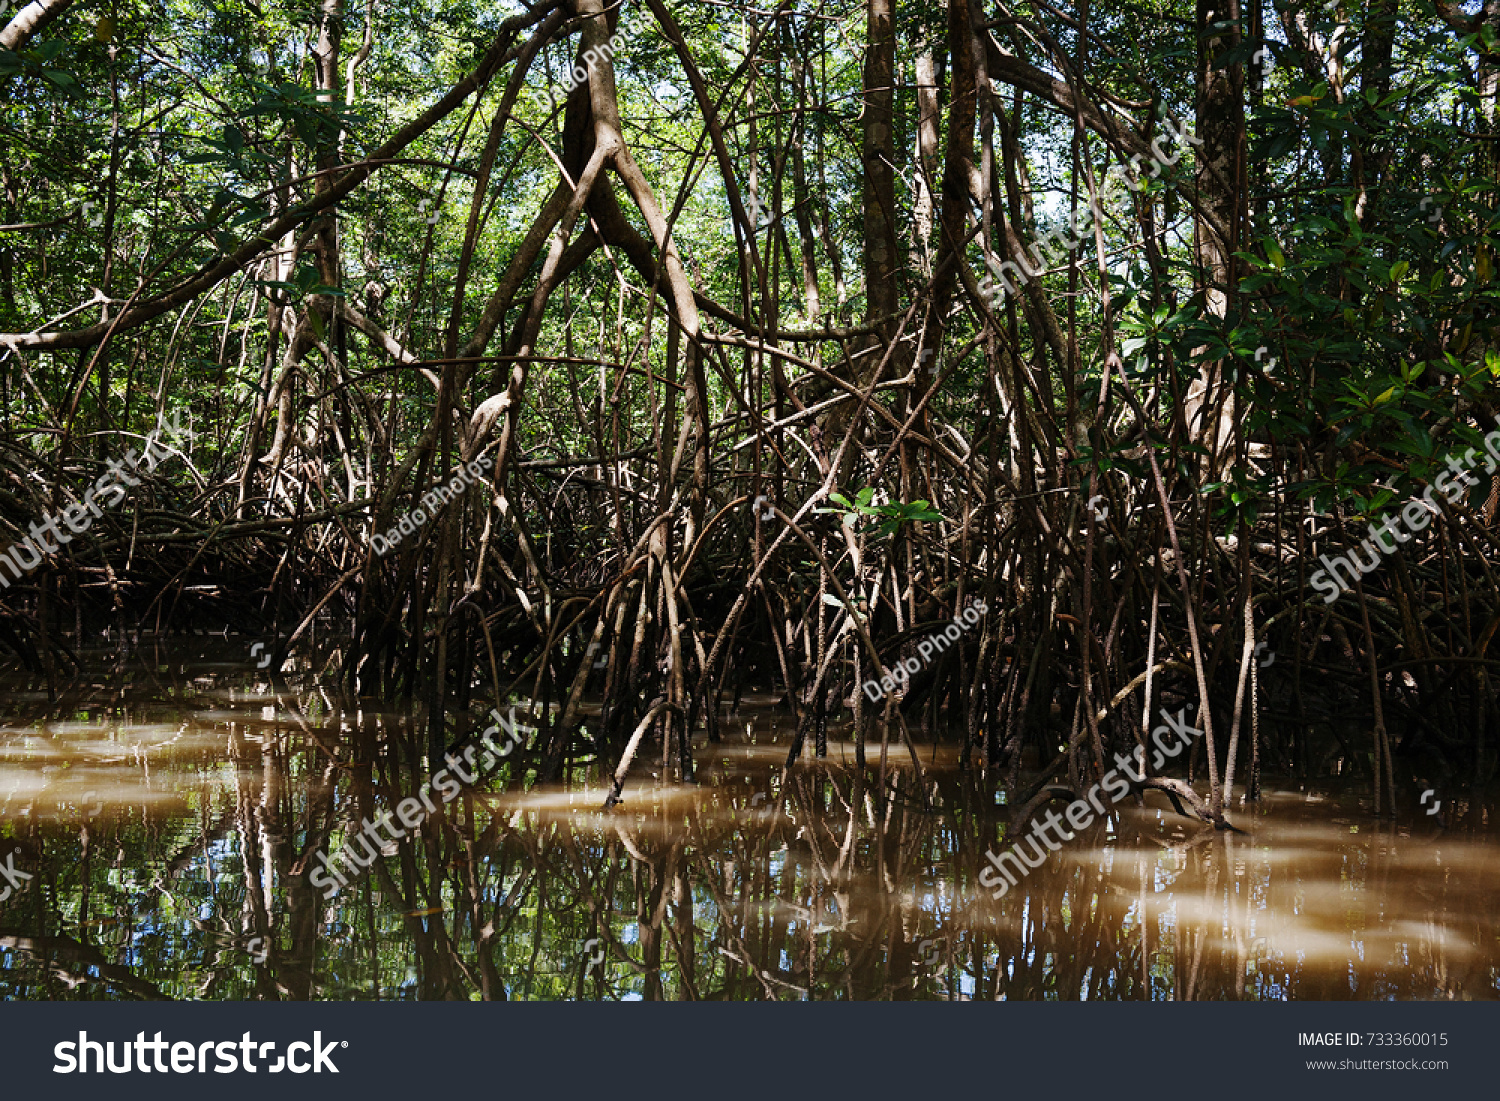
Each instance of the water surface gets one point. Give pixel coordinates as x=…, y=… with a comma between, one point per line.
x=169, y=812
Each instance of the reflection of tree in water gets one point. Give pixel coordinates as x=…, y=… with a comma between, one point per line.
x=815, y=882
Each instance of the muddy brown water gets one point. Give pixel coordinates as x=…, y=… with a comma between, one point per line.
x=158, y=828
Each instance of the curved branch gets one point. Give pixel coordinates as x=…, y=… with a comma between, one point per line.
x=1180, y=794
x=31, y=21
x=216, y=272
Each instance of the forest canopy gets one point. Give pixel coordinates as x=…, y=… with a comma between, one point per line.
x=753, y=344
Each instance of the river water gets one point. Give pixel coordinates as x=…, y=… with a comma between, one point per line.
x=156, y=829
